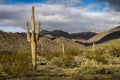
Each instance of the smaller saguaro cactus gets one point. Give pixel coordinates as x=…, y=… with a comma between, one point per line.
x=63, y=49
x=34, y=37
x=93, y=47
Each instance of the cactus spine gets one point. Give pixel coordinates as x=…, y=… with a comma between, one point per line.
x=34, y=37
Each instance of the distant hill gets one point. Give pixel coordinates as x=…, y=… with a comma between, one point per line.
x=12, y=42
x=111, y=34
x=56, y=33
x=67, y=42
x=47, y=43
x=82, y=35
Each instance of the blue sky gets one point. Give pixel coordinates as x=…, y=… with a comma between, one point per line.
x=67, y=15
x=84, y=2
x=22, y=1
x=101, y=5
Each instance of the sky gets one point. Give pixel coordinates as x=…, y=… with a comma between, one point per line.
x=68, y=15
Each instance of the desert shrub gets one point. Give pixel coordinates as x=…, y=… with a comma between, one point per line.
x=114, y=60
x=58, y=53
x=72, y=51
x=108, y=69
x=116, y=76
x=115, y=51
x=50, y=54
x=77, y=77
x=89, y=66
x=67, y=61
x=103, y=71
x=98, y=55
x=100, y=59
x=16, y=64
x=57, y=61
x=111, y=47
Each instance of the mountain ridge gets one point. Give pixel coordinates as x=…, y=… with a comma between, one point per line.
x=61, y=33
x=113, y=33
x=15, y=41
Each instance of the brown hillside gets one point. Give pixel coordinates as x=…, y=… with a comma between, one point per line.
x=102, y=35
x=12, y=42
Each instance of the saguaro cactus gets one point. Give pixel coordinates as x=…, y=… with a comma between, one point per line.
x=63, y=49
x=34, y=37
x=93, y=47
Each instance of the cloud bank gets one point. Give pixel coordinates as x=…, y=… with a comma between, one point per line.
x=115, y=4
x=58, y=16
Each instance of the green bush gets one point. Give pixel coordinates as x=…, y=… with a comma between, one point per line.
x=72, y=51
x=98, y=55
x=67, y=61
x=50, y=54
x=16, y=64
x=115, y=51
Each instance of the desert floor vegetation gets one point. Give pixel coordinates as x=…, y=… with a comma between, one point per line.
x=76, y=64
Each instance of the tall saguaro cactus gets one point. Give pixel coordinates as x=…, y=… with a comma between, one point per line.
x=34, y=37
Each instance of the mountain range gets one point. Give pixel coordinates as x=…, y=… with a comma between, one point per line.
x=60, y=33
x=54, y=39
x=85, y=38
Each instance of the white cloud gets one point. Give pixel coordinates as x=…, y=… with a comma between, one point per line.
x=54, y=16
x=65, y=2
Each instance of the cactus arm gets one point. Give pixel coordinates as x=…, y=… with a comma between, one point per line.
x=27, y=32
x=38, y=31
x=33, y=25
